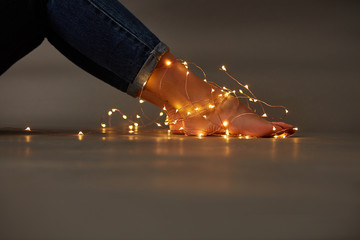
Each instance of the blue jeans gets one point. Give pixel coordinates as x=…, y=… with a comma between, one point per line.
x=100, y=36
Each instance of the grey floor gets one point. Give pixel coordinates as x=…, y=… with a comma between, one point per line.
x=155, y=186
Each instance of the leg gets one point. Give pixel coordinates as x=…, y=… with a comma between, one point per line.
x=106, y=40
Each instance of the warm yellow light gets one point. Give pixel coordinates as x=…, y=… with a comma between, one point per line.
x=200, y=134
x=241, y=91
x=274, y=128
x=188, y=113
x=166, y=123
x=205, y=80
x=131, y=127
x=255, y=100
x=212, y=90
x=136, y=124
x=181, y=128
x=137, y=116
x=124, y=117
x=223, y=68
x=225, y=123
x=220, y=95
x=141, y=101
x=246, y=86
x=227, y=132
x=176, y=110
x=161, y=113
x=28, y=129
x=110, y=113
x=164, y=108
x=103, y=125
x=187, y=73
x=287, y=111
x=284, y=136
x=113, y=109
x=264, y=115
x=247, y=137
x=80, y=133
x=196, y=109
x=295, y=128
x=211, y=106
x=158, y=124
x=204, y=116
x=168, y=63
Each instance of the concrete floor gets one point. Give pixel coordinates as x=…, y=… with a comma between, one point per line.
x=155, y=186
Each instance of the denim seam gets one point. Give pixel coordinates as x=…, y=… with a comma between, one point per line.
x=119, y=24
x=146, y=70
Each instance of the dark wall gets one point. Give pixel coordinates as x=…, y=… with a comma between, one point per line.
x=302, y=54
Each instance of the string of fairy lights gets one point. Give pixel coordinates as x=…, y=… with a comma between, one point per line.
x=204, y=108
x=201, y=109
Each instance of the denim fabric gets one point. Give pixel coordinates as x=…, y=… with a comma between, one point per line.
x=100, y=36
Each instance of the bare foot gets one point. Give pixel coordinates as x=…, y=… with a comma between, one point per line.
x=195, y=107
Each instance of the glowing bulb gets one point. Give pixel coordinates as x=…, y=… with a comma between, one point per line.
x=220, y=95
x=284, y=136
x=264, y=115
x=255, y=100
x=113, y=109
x=227, y=132
x=212, y=90
x=223, y=68
x=137, y=116
x=181, y=128
x=110, y=113
x=80, y=133
x=204, y=116
x=287, y=111
x=250, y=99
x=247, y=137
x=103, y=125
x=141, y=101
x=131, y=127
x=205, y=80
x=211, y=106
x=176, y=110
x=246, y=86
x=164, y=108
x=200, y=135
x=124, y=117
x=276, y=136
x=295, y=128
x=224, y=88
x=185, y=63
x=161, y=113
x=225, y=123
x=274, y=128
x=188, y=113
x=187, y=73
x=166, y=123
x=196, y=109
x=241, y=91
x=168, y=63
x=158, y=124
x=136, y=124
x=28, y=129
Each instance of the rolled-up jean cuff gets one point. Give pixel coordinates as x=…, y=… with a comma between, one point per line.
x=143, y=76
